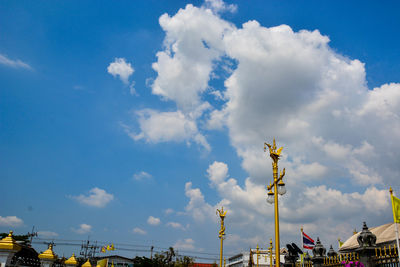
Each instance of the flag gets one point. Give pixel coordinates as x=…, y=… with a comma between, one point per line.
x=108, y=247
x=396, y=209
x=340, y=243
x=102, y=263
x=103, y=250
x=308, y=242
x=112, y=246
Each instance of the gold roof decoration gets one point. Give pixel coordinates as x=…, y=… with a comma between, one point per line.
x=48, y=254
x=72, y=260
x=9, y=243
x=87, y=264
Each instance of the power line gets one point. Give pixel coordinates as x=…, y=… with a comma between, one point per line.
x=127, y=247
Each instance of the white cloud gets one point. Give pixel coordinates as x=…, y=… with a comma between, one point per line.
x=176, y=225
x=219, y=6
x=142, y=176
x=12, y=221
x=139, y=231
x=121, y=68
x=185, y=244
x=83, y=229
x=4, y=60
x=184, y=67
x=168, y=211
x=197, y=206
x=97, y=198
x=167, y=126
x=47, y=234
x=336, y=132
x=153, y=220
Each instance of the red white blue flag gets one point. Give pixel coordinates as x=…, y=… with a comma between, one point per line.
x=308, y=242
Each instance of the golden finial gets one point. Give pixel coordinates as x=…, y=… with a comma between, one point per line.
x=391, y=191
x=273, y=153
x=221, y=213
x=355, y=231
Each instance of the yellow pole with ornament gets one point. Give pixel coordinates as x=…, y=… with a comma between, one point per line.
x=221, y=233
x=279, y=188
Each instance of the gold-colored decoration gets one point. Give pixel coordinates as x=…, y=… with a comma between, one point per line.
x=48, y=254
x=221, y=233
x=72, y=260
x=9, y=243
x=270, y=252
x=257, y=253
x=87, y=264
x=275, y=153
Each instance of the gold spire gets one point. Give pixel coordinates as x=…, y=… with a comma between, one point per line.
x=48, y=254
x=9, y=243
x=72, y=260
x=87, y=264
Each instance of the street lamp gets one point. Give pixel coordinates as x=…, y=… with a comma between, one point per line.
x=275, y=188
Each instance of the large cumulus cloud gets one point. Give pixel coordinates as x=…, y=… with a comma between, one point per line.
x=341, y=138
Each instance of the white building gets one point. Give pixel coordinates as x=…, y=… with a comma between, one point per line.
x=243, y=259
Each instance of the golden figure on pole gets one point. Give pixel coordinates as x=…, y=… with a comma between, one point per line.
x=270, y=252
x=221, y=233
x=279, y=188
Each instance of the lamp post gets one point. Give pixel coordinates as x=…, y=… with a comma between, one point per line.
x=221, y=233
x=279, y=188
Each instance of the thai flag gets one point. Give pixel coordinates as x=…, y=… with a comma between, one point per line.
x=308, y=242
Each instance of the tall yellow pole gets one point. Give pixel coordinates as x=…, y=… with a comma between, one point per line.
x=275, y=154
x=221, y=233
x=221, y=252
x=277, y=246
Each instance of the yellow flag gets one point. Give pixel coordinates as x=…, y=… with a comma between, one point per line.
x=108, y=247
x=340, y=243
x=103, y=250
x=396, y=209
x=112, y=246
x=102, y=263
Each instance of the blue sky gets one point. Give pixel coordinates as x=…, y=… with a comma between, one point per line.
x=133, y=121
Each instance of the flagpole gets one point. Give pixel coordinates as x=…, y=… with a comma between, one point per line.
x=395, y=222
x=302, y=246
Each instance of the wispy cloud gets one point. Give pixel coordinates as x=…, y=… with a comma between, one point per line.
x=4, y=60
x=153, y=220
x=176, y=225
x=97, y=198
x=186, y=244
x=168, y=211
x=139, y=231
x=12, y=221
x=47, y=234
x=83, y=229
x=139, y=176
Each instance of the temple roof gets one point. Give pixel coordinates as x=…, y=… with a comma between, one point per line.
x=9, y=243
x=384, y=234
x=48, y=254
